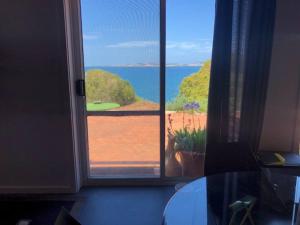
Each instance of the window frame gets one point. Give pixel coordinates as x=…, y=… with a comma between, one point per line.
x=74, y=39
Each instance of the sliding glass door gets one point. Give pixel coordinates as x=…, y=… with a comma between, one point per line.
x=147, y=67
x=122, y=78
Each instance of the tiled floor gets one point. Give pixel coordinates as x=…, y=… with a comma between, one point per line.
x=102, y=206
x=122, y=205
x=91, y=206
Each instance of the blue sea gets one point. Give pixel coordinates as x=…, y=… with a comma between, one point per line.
x=145, y=80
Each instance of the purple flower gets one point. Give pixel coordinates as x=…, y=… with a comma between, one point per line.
x=192, y=106
x=195, y=105
x=187, y=106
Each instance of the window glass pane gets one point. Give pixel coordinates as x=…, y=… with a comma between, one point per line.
x=122, y=73
x=124, y=146
x=121, y=54
x=189, y=36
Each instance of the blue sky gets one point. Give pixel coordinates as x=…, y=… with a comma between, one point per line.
x=122, y=32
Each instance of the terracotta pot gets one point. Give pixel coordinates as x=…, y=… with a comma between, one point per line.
x=173, y=168
x=192, y=163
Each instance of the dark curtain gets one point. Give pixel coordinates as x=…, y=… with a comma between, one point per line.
x=240, y=68
x=220, y=70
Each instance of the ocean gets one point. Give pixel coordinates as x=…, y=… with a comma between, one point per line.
x=145, y=80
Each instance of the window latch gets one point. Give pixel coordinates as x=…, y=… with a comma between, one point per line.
x=80, y=88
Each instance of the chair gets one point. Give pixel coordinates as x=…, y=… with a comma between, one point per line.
x=245, y=206
x=229, y=157
x=64, y=218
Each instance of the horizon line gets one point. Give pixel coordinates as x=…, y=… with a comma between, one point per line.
x=148, y=65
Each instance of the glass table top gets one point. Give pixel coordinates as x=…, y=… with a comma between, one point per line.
x=236, y=198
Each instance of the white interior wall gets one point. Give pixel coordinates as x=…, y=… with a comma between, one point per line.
x=283, y=91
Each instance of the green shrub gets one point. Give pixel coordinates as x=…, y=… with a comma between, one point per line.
x=102, y=86
x=194, y=88
x=177, y=103
x=190, y=140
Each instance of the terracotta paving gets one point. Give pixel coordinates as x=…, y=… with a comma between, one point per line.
x=124, y=142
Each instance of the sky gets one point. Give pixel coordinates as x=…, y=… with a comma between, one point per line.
x=126, y=32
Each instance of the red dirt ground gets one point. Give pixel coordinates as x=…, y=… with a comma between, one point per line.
x=130, y=141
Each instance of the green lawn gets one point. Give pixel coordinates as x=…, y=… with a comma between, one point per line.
x=101, y=106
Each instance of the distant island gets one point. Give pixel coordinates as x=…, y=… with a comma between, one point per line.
x=153, y=65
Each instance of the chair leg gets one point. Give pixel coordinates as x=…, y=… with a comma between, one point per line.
x=232, y=218
x=244, y=219
x=248, y=215
x=251, y=219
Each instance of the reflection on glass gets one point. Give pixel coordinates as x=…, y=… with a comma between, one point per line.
x=236, y=198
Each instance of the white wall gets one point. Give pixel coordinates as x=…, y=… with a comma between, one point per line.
x=283, y=91
x=36, y=144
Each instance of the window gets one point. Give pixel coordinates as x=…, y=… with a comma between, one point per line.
x=121, y=52
x=147, y=84
x=189, y=35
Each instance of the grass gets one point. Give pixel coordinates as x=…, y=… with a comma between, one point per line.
x=101, y=106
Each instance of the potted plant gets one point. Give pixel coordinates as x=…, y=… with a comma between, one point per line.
x=189, y=143
x=173, y=168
